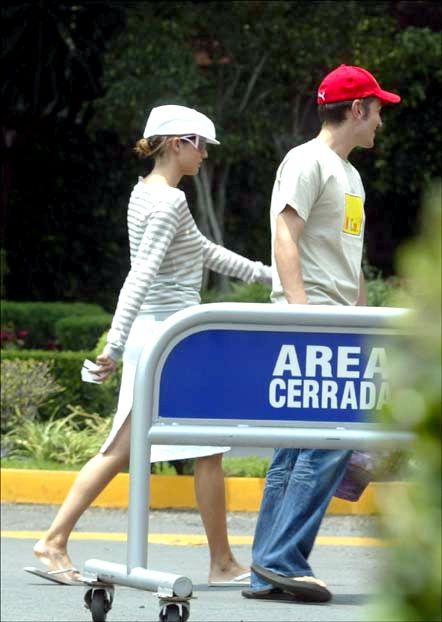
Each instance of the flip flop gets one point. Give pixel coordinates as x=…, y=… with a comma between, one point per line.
x=302, y=590
x=240, y=581
x=273, y=594
x=55, y=575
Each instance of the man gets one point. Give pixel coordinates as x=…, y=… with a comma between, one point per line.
x=317, y=223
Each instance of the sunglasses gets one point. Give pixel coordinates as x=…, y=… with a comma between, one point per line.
x=198, y=142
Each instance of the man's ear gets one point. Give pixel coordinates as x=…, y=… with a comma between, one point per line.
x=357, y=110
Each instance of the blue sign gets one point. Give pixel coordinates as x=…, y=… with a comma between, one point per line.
x=276, y=376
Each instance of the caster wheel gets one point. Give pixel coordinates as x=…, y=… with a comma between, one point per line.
x=99, y=601
x=174, y=612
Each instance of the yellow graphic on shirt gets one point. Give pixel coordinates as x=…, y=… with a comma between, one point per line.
x=354, y=214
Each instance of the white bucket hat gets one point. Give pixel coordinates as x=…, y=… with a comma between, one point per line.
x=171, y=120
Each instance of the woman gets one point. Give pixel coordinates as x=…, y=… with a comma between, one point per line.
x=168, y=254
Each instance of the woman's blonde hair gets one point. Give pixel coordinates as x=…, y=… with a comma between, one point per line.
x=152, y=147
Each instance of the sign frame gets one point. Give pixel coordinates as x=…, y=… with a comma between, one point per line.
x=148, y=427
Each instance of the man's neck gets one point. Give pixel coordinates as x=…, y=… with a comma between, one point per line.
x=336, y=137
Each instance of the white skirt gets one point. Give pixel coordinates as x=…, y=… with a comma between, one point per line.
x=144, y=330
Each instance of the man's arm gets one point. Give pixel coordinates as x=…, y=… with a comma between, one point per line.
x=289, y=228
x=362, y=298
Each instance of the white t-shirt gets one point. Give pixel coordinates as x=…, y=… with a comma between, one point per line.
x=327, y=193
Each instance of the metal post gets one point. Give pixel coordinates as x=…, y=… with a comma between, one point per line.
x=139, y=492
x=140, y=578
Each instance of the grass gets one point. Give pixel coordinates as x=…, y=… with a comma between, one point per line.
x=233, y=467
x=29, y=463
x=246, y=467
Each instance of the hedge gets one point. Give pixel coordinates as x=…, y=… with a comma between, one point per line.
x=40, y=318
x=379, y=292
x=98, y=398
x=239, y=292
x=81, y=332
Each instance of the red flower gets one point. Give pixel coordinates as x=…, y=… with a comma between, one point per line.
x=52, y=345
x=6, y=335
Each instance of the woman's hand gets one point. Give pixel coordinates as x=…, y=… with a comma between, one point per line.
x=107, y=366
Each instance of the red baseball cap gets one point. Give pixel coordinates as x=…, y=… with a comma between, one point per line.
x=348, y=82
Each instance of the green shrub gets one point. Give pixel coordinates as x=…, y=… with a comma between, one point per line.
x=40, y=318
x=411, y=581
x=379, y=291
x=163, y=468
x=239, y=292
x=70, y=440
x=252, y=466
x=81, y=332
x=66, y=368
x=99, y=346
x=26, y=386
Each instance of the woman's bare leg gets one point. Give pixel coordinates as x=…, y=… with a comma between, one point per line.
x=211, y=498
x=101, y=469
x=90, y=481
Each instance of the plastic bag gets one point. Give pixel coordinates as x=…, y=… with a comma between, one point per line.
x=361, y=470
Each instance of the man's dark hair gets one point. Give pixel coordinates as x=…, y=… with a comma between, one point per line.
x=335, y=113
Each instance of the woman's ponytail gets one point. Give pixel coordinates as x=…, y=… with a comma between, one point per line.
x=153, y=146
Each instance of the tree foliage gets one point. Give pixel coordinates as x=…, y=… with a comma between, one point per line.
x=80, y=79
x=254, y=67
x=62, y=74
x=59, y=220
x=408, y=150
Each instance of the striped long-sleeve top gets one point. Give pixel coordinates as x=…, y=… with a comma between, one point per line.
x=168, y=253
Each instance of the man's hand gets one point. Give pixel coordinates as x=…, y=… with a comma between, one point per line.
x=289, y=228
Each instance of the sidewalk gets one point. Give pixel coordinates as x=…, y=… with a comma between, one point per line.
x=348, y=556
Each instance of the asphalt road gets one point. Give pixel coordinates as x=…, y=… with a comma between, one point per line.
x=342, y=557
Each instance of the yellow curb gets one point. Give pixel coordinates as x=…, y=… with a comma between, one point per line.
x=243, y=494
x=190, y=539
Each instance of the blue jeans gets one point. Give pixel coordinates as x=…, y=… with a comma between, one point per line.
x=299, y=486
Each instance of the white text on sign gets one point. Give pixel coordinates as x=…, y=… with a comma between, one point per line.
x=319, y=384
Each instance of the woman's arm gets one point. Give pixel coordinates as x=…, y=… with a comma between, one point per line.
x=160, y=230
x=220, y=259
